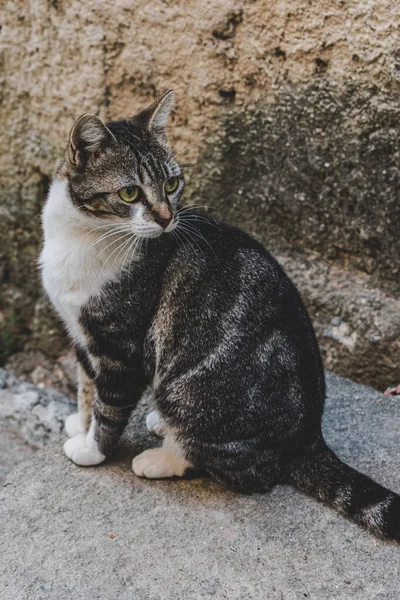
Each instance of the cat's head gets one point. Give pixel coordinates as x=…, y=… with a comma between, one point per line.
x=125, y=170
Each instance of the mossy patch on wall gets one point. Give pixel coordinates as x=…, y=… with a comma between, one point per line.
x=317, y=169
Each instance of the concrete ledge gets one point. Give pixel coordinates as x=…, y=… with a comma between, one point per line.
x=101, y=533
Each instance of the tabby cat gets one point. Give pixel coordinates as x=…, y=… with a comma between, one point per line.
x=153, y=293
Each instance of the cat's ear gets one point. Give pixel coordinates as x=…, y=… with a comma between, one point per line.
x=88, y=135
x=155, y=117
x=161, y=111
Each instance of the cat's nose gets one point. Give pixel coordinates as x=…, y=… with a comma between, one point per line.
x=163, y=218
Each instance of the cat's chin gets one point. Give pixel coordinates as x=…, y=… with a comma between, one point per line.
x=154, y=233
x=150, y=234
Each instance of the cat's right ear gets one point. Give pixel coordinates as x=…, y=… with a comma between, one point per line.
x=155, y=116
x=88, y=135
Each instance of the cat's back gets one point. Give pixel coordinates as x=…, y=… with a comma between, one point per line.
x=215, y=255
x=237, y=277
x=228, y=281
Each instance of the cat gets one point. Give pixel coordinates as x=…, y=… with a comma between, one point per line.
x=155, y=293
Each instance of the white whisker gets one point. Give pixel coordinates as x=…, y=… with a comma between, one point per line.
x=170, y=159
x=195, y=207
x=181, y=238
x=121, y=237
x=195, y=232
x=187, y=235
x=195, y=217
x=109, y=225
x=117, y=248
x=109, y=234
x=136, y=247
x=123, y=252
x=127, y=246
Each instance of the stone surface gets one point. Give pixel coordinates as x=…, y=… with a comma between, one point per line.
x=291, y=112
x=357, y=323
x=30, y=418
x=101, y=533
x=35, y=367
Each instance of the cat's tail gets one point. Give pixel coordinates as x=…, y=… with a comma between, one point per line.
x=322, y=475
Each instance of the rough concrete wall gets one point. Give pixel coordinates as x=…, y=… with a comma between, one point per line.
x=291, y=109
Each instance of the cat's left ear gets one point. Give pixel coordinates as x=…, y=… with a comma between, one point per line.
x=155, y=117
x=88, y=136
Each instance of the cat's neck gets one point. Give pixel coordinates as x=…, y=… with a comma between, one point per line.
x=76, y=261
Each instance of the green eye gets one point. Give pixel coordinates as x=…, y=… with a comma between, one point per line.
x=171, y=185
x=130, y=193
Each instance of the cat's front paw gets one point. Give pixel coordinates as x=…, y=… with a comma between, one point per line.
x=74, y=425
x=82, y=451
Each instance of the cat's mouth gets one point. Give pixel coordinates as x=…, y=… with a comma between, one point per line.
x=155, y=230
x=171, y=225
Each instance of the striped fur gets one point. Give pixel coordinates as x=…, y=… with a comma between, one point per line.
x=324, y=476
x=200, y=311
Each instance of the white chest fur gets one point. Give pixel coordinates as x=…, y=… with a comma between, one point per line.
x=74, y=267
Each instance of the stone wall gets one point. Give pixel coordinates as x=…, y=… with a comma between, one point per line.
x=289, y=112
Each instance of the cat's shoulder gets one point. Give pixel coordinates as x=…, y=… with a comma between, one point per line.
x=233, y=241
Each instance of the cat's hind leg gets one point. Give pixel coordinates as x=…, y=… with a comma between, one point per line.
x=167, y=461
x=79, y=423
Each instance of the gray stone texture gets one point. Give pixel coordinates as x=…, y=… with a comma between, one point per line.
x=102, y=533
x=290, y=112
x=30, y=418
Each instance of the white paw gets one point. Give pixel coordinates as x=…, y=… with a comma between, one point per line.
x=154, y=423
x=74, y=425
x=158, y=463
x=82, y=451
